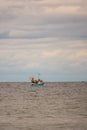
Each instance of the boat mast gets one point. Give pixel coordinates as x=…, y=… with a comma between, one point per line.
x=38, y=75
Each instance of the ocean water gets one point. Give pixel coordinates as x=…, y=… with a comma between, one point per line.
x=56, y=106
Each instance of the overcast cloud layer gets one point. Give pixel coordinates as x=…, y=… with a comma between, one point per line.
x=45, y=36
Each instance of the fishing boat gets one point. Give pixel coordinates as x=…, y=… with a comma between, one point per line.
x=38, y=83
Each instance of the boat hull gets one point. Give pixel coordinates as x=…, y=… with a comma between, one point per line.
x=38, y=85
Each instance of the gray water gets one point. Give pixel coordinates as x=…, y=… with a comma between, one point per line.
x=56, y=106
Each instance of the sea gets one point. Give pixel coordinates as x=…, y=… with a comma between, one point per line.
x=56, y=106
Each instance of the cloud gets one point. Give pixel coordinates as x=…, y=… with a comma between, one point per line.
x=29, y=56
x=44, y=35
x=35, y=19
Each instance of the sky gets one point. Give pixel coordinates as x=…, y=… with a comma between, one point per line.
x=43, y=36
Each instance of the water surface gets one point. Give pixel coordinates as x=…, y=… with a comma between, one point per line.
x=56, y=106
